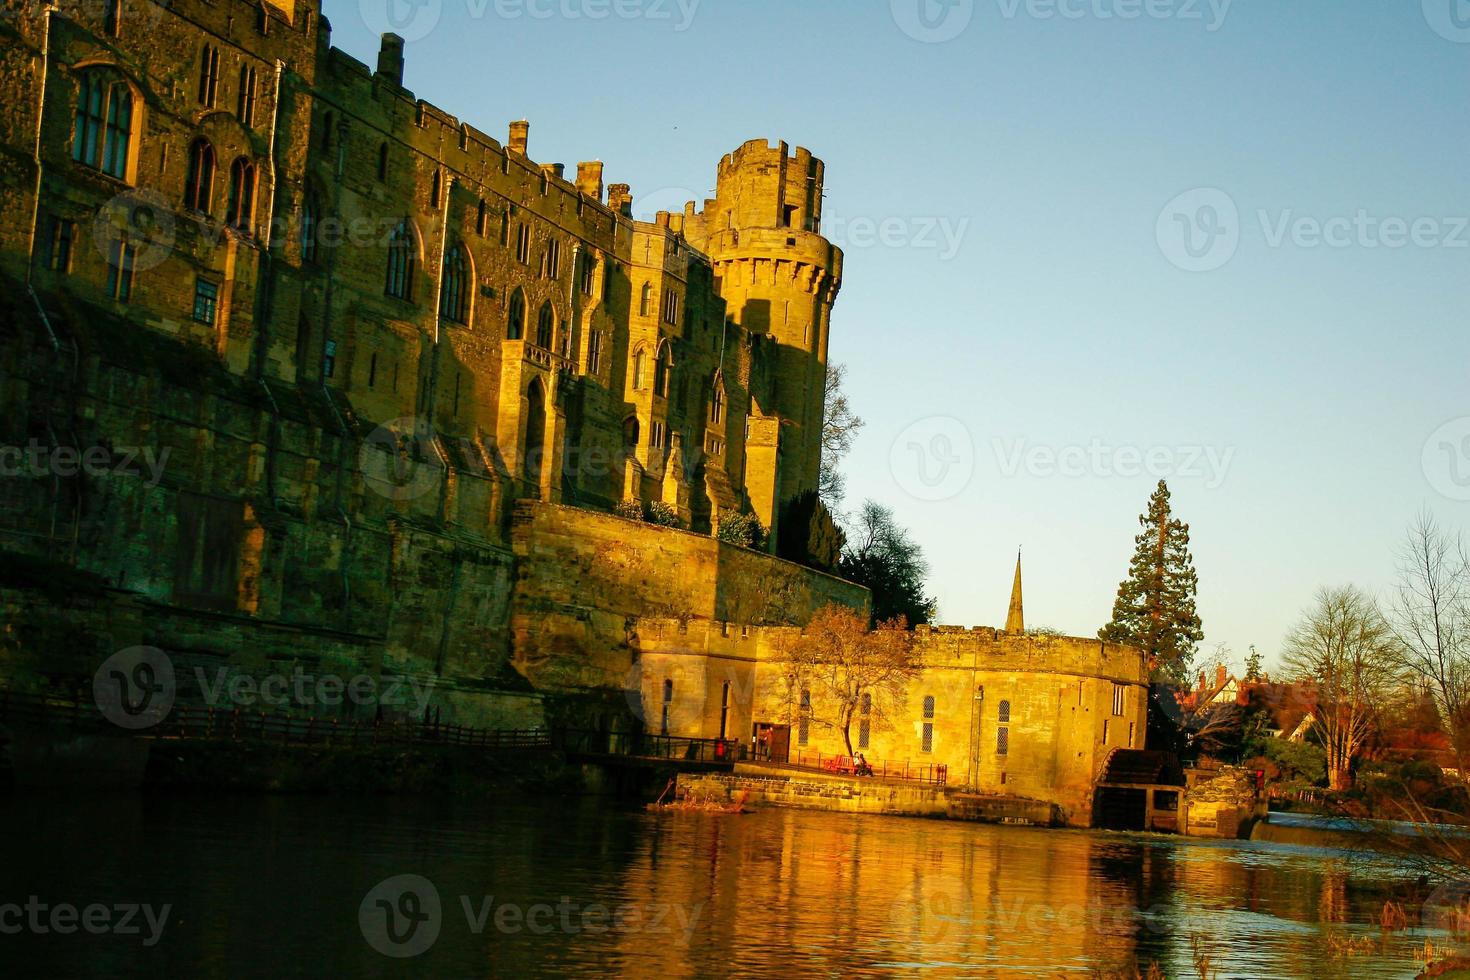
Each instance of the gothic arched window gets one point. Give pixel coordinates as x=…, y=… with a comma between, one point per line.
x=662, y=369
x=453, y=303
x=199, y=182
x=241, y=208
x=102, y=132
x=400, y=263
x=545, y=326
x=515, y=326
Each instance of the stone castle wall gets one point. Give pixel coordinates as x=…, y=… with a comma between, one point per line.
x=338, y=459
x=1064, y=704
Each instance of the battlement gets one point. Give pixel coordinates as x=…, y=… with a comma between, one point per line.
x=989, y=648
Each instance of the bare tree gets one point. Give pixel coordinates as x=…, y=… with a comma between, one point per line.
x=1431, y=619
x=840, y=425
x=838, y=667
x=1344, y=646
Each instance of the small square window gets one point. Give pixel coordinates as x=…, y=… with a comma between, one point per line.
x=206, y=296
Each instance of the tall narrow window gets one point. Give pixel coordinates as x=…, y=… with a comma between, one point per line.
x=505, y=228
x=400, y=263
x=545, y=326
x=63, y=235
x=199, y=182
x=329, y=128
x=120, y=269
x=452, y=305
x=594, y=352
x=865, y=719
x=717, y=402
x=523, y=245
x=671, y=307
x=206, y=295
x=551, y=265
x=640, y=370
x=480, y=216
x=310, y=217
x=1118, y=698
x=928, y=729
x=103, y=129
x=373, y=369
x=515, y=326
x=645, y=299
x=668, y=701
x=112, y=17
x=1003, y=734
x=436, y=188
x=663, y=367
x=724, y=708
x=209, y=76
x=247, y=95
x=241, y=209
x=589, y=273
x=804, y=718
x=382, y=162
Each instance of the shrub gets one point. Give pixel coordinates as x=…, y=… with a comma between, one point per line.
x=662, y=514
x=630, y=509
x=744, y=530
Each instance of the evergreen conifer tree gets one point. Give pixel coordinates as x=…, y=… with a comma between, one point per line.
x=1155, y=606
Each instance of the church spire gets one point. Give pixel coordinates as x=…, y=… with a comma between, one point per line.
x=1015, y=619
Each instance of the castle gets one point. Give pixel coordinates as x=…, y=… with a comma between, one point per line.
x=406, y=391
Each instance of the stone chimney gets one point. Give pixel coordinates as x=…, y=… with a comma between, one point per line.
x=589, y=178
x=520, y=136
x=620, y=199
x=390, y=59
x=1220, y=675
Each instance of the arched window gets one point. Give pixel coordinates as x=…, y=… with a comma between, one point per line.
x=515, y=327
x=436, y=188
x=208, y=76
x=645, y=299
x=102, y=132
x=662, y=369
x=452, y=294
x=640, y=369
x=668, y=700
x=241, y=209
x=717, y=401
x=310, y=221
x=199, y=183
x=400, y=263
x=545, y=326
x=630, y=433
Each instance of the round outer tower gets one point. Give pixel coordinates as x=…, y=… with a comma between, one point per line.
x=779, y=278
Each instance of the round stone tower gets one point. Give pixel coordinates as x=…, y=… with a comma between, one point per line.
x=779, y=278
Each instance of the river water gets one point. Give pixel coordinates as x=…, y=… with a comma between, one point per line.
x=325, y=887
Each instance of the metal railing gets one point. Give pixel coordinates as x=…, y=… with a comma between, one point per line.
x=933, y=773
x=646, y=746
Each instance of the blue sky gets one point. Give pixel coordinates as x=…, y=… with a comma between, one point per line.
x=1086, y=242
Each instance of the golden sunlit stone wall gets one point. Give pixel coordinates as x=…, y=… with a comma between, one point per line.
x=1067, y=703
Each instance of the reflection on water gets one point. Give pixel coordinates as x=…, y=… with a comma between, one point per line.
x=278, y=885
